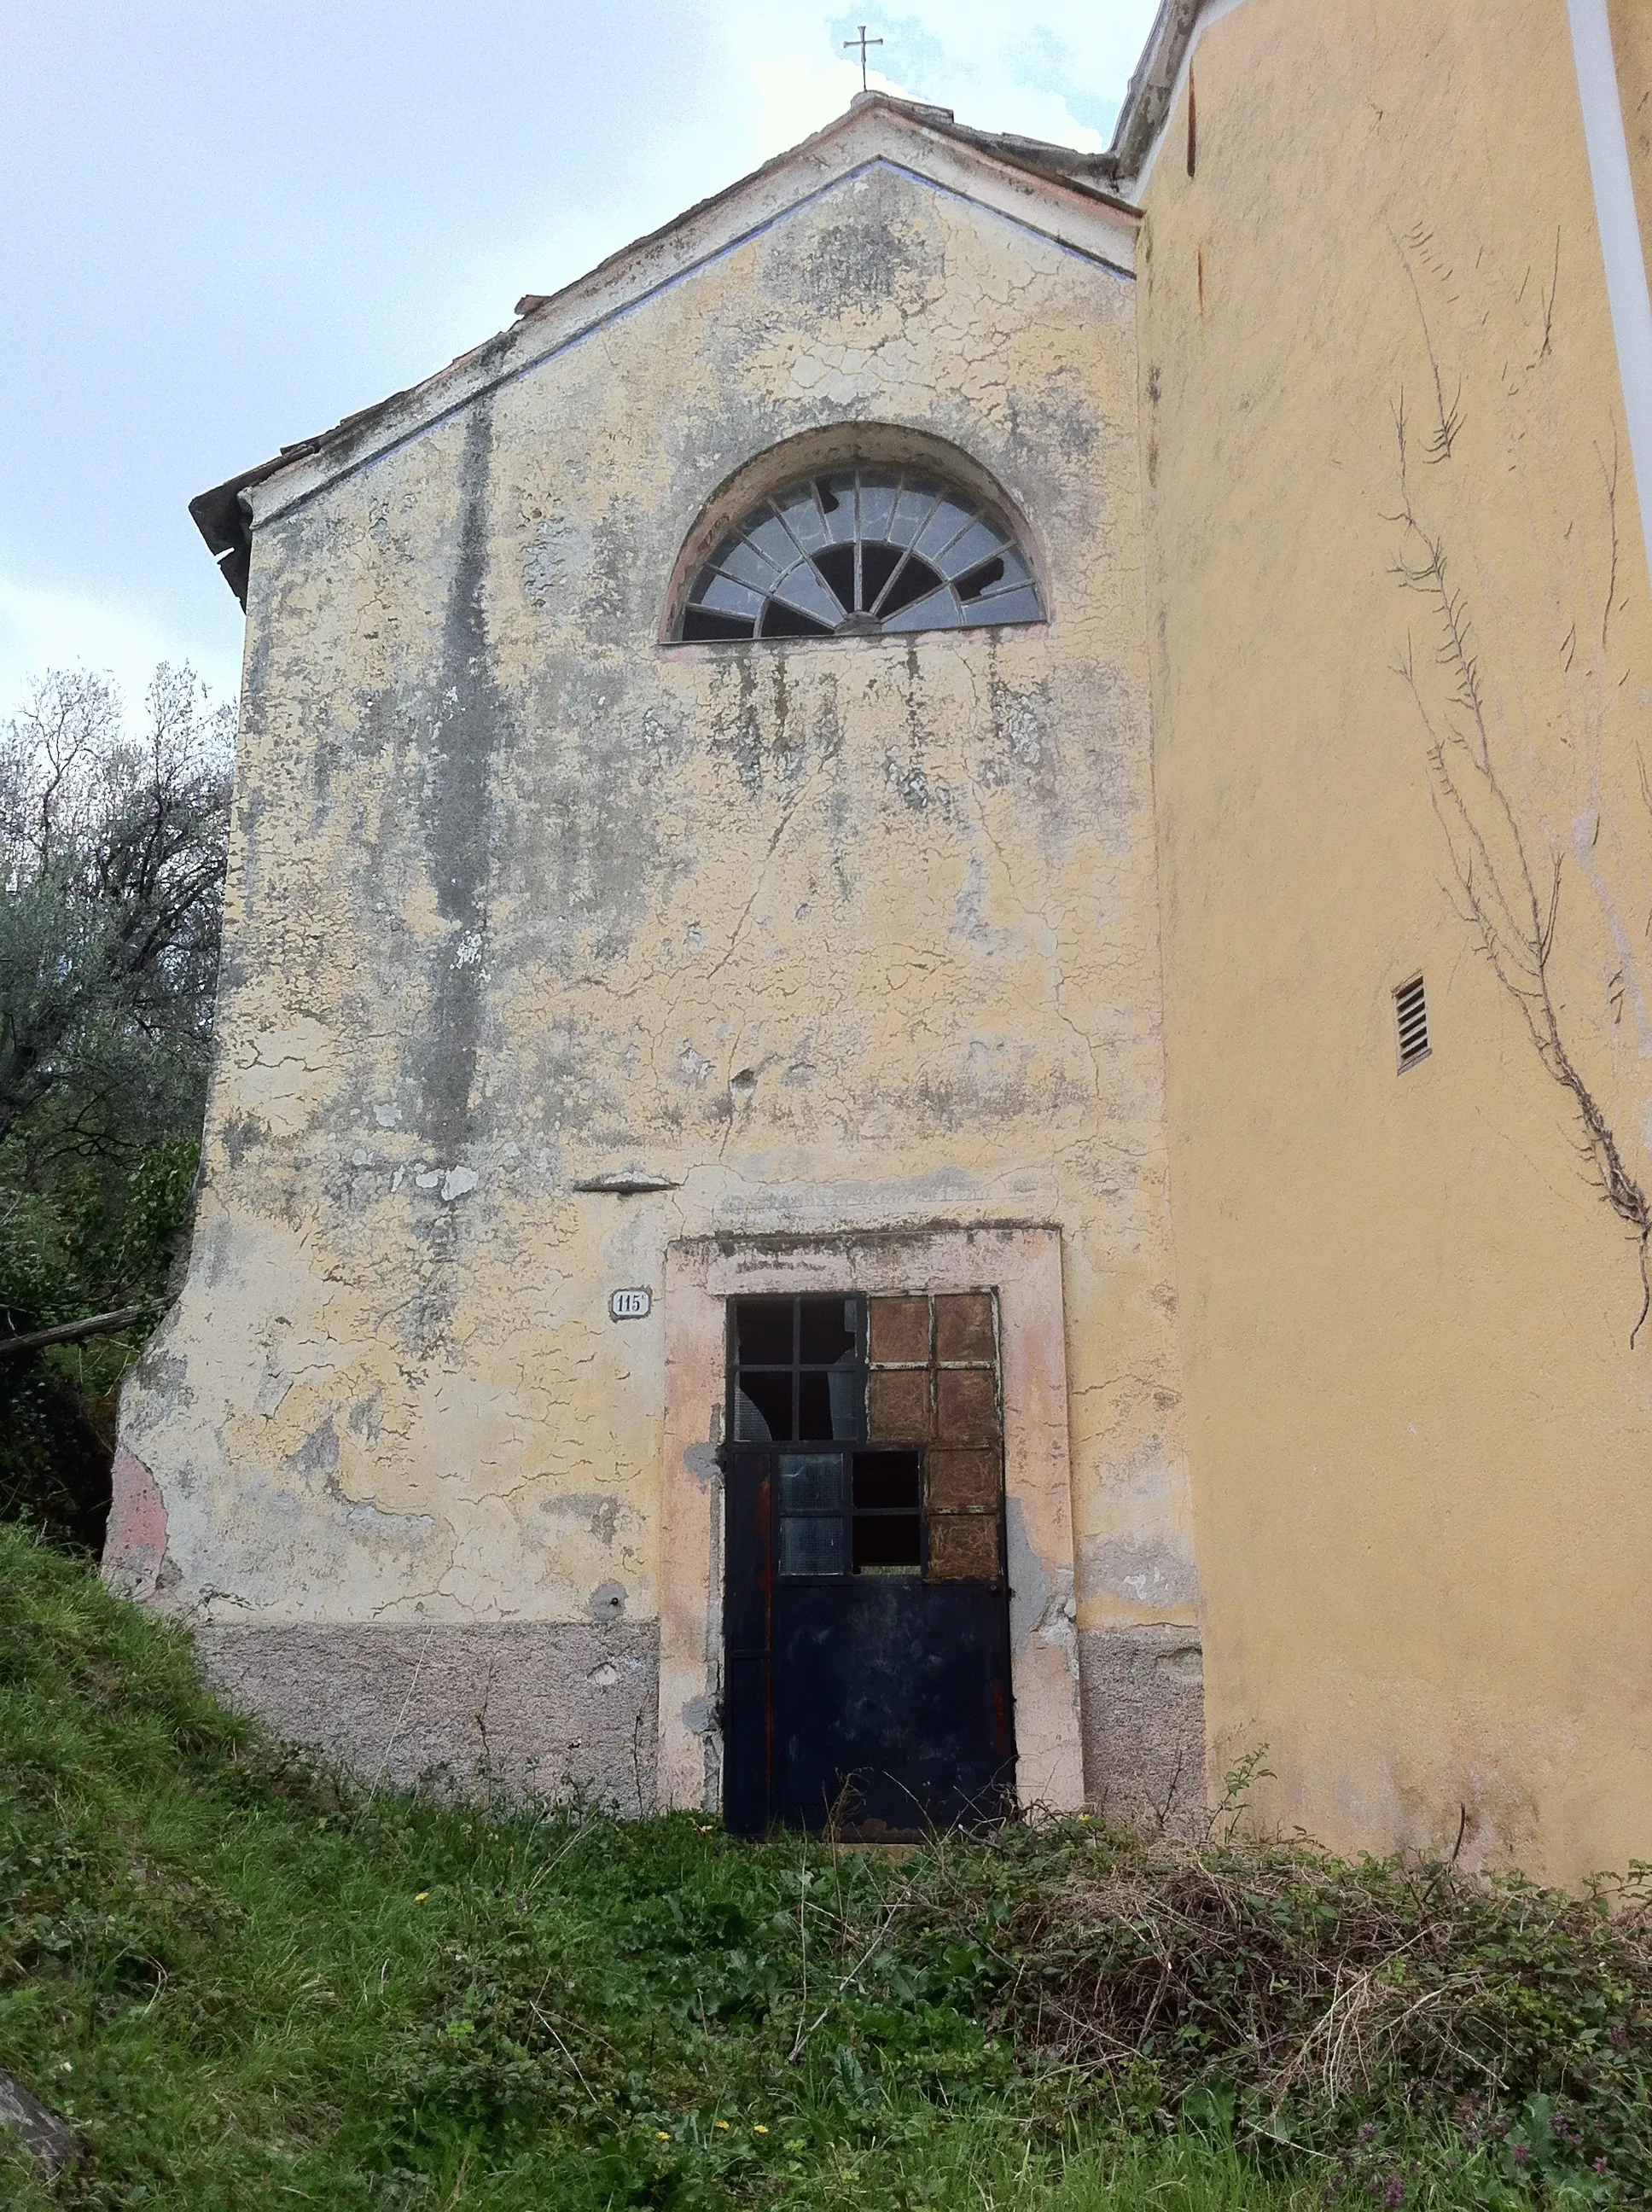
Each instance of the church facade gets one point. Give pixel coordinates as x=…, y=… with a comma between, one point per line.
x=880, y=1148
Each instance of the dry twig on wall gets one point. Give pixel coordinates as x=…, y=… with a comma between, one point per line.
x=1510, y=900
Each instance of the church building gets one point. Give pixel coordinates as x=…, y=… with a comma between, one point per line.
x=931, y=1078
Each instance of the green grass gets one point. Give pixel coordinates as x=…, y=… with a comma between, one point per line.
x=245, y=1985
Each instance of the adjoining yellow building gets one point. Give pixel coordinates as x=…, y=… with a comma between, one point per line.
x=932, y=1061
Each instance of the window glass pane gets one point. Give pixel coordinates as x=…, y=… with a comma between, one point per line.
x=811, y=1480
x=821, y=556
x=912, y=511
x=773, y=540
x=826, y=1331
x=883, y=1541
x=748, y=566
x=762, y=1409
x=978, y=544
x=1019, y=606
x=803, y=518
x=810, y=1547
x=836, y=496
x=876, y=507
x=939, y=611
x=942, y=527
x=1016, y=570
x=846, y=1390
x=724, y=596
x=803, y=589
x=915, y=581
x=887, y=1479
x=981, y=578
x=763, y=1332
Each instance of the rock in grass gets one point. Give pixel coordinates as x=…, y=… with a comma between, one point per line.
x=45, y=2138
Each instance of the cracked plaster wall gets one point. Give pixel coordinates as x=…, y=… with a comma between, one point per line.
x=822, y=935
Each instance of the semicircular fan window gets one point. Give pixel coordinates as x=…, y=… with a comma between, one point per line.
x=862, y=553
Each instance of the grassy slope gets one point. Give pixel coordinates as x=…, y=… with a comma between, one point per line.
x=243, y=1988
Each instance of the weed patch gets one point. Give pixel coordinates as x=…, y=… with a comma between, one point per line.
x=241, y=1981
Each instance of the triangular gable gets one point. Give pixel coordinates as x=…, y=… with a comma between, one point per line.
x=1053, y=191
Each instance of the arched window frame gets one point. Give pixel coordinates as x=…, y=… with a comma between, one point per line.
x=886, y=456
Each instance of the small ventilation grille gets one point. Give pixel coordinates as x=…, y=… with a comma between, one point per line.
x=1410, y=1021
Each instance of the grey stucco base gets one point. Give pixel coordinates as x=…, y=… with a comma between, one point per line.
x=1143, y=1718
x=543, y=1709
x=558, y=1710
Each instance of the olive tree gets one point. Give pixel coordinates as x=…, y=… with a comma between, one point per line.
x=112, y=863
x=112, y=837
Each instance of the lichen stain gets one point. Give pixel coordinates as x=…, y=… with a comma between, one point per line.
x=852, y=267
x=470, y=719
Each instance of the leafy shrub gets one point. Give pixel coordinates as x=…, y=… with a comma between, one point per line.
x=112, y=843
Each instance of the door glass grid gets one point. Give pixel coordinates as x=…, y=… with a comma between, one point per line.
x=812, y=1497
x=884, y=1428
x=933, y=1381
x=799, y=1370
x=850, y=1512
x=798, y=1377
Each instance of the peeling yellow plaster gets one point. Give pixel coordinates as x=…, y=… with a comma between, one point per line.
x=824, y=937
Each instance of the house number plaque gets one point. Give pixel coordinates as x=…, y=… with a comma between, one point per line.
x=630, y=1305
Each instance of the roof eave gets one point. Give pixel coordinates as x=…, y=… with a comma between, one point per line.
x=1152, y=86
x=223, y=514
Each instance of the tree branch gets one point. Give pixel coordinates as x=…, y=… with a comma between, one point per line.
x=67, y=1332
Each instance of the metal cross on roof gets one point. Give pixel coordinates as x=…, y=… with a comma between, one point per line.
x=863, y=42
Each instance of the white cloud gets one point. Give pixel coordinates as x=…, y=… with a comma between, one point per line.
x=1048, y=68
x=50, y=629
x=206, y=343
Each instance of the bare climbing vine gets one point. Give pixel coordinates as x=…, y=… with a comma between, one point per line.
x=1447, y=414
x=1510, y=899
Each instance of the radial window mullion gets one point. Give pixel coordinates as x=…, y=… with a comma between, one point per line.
x=892, y=578
x=889, y=580
x=941, y=551
x=860, y=592
x=871, y=571
x=780, y=515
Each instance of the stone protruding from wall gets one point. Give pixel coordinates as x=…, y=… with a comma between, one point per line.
x=531, y=1709
x=1143, y=1723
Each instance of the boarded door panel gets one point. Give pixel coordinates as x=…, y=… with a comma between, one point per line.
x=891, y=1705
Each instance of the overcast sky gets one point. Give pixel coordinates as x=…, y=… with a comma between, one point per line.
x=224, y=226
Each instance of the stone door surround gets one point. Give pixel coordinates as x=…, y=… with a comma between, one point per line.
x=1022, y=1262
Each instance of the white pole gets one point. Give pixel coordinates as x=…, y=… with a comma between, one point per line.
x=1620, y=236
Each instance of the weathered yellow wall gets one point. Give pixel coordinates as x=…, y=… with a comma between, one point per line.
x=827, y=934
x=1632, y=50
x=1420, y=1440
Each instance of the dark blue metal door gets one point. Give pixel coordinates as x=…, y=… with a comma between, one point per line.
x=891, y=1705
x=867, y=1646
